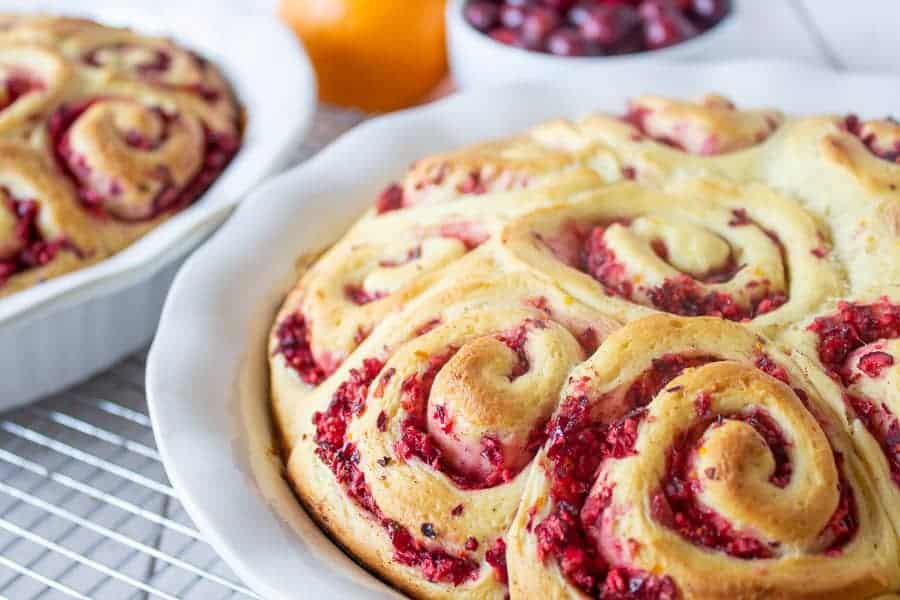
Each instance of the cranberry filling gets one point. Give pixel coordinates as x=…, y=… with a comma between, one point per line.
x=35, y=250
x=219, y=149
x=17, y=85
x=681, y=295
x=853, y=125
x=515, y=340
x=416, y=442
x=852, y=327
x=496, y=557
x=294, y=344
x=676, y=504
x=884, y=427
x=391, y=198
x=342, y=457
x=840, y=334
x=361, y=296
x=873, y=363
x=157, y=63
x=577, y=445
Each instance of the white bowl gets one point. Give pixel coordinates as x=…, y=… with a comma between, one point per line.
x=207, y=372
x=68, y=328
x=477, y=60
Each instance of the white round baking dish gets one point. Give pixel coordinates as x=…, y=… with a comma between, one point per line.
x=207, y=372
x=68, y=328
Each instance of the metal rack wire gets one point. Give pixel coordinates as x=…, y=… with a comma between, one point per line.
x=86, y=510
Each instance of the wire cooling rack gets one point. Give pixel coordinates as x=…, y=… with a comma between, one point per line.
x=86, y=510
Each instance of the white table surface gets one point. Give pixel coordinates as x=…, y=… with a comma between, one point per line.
x=85, y=507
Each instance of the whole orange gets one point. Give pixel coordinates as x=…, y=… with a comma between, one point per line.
x=376, y=55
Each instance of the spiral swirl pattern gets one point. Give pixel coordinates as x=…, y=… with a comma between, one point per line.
x=541, y=367
x=688, y=447
x=708, y=249
x=853, y=349
x=131, y=128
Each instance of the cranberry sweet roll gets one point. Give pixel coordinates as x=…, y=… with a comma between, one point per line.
x=659, y=138
x=707, y=248
x=415, y=452
x=541, y=156
x=846, y=171
x=129, y=128
x=852, y=353
x=43, y=231
x=690, y=458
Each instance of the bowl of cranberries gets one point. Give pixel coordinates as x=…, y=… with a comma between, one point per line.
x=493, y=41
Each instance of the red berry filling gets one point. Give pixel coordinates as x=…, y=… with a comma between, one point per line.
x=676, y=504
x=852, y=327
x=391, y=198
x=681, y=295
x=496, y=557
x=840, y=334
x=884, y=427
x=853, y=125
x=17, y=85
x=34, y=251
x=293, y=335
x=342, y=457
x=361, y=296
x=155, y=63
x=219, y=149
x=577, y=445
x=416, y=441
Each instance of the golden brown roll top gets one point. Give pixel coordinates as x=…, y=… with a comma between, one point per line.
x=689, y=458
x=131, y=128
x=705, y=248
x=539, y=367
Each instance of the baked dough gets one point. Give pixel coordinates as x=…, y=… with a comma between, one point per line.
x=582, y=362
x=104, y=134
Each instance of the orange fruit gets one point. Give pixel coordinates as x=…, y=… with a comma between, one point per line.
x=376, y=55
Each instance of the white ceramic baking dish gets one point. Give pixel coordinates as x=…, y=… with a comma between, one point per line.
x=68, y=328
x=207, y=373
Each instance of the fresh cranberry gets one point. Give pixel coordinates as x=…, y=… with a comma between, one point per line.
x=667, y=30
x=650, y=10
x=482, y=15
x=566, y=41
x=709, y=11
x=559, y=5
x=513, y=16
x=538, y=24
x=578, y=13
x=608, y=25
x=507, y=36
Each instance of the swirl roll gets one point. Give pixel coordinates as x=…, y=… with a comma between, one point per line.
x=852, y=352
x=132, y=128
x=690, y=458
x=436, y=416
x=705, y=248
